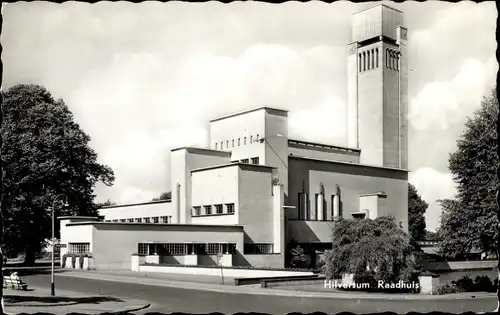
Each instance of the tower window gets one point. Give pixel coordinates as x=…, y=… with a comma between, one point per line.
x=376, y=58
x=387, y=58
x=238, y=141
x=251, y=139
x=221, y=144
x=227, y=143
x=368, y=61
x=364, y=61
x=244, y=140
x=216, y=146
x=233, y=143
x=359, y=62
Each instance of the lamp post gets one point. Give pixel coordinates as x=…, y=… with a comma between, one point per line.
x=52, y=283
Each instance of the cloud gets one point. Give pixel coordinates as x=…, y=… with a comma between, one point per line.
x=142, y=79
x=432, y=186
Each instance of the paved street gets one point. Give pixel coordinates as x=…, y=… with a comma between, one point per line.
x=167, y=299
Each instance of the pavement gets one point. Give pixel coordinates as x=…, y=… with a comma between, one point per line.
x=211, y=283
x=185, y=295
x=38, y=299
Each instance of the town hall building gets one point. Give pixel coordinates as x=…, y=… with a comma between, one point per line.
x=253, y=191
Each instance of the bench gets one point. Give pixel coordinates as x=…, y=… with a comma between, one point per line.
x=15, y=283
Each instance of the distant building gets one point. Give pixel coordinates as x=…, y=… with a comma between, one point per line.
x=246, y=197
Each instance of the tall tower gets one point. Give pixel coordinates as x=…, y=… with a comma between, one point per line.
x=378, y=87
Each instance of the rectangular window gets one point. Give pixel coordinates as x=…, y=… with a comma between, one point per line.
x=164, y=219
x=262, y=248
x=196, y=210
x=233, y=143
x=213, y=249
x=244, y=140
x=255, y=160
x=244, y=161
x=138, y=220
x=130, y=220
x=303, y=210
x=227, y=144
x=123, y=220
x=251, y=139
x=221, y=145
x=115, y=220
x=156, y=220
x=238, y=141
x=79, y=248
x=208, y=210
x=216, y=146
x=174, y=249
x=257, y=139
x=143, y=249
x=230, y=207
x=218, y=209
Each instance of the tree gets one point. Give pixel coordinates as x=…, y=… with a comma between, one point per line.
x=470, y=221
x=432, y=236
x=106, y=203
x=416, y=211
x=375, y=245
x=299, y=259
x=164, y=196
x=45, y=154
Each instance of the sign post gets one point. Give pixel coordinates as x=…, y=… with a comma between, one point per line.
x=219, y=256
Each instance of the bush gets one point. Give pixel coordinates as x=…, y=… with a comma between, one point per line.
x=446, y=289
x=484, y=283
x=366, y=277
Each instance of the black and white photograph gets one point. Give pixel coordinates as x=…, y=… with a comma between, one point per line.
x=249, y=157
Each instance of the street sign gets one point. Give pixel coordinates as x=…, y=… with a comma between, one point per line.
x=60, y=245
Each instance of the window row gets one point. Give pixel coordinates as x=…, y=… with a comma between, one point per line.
x=368, y=60
x=236, y=142
x=392, y=59
x=79, y=248
x=254, y=160
x=162, y=219
x=172, y=249
x=256, y=248
x=320, y=210
x=227, y=208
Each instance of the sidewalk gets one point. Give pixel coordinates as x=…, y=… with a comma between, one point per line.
x=39, y=300
x=163, y=280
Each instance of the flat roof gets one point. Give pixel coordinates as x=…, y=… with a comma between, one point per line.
x=228, y=153
x=78, y=217
x=248, y=111
x=323, y=145
x=244, y=165
x=347, y=163
x=187, y=226
x=379, y=193
x=378, y=5
x=137, y=204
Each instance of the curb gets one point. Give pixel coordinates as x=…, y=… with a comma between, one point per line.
x=40, y=305
x=130, y=309
x=286, y=293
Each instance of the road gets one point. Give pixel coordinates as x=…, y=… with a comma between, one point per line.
x=166, y=299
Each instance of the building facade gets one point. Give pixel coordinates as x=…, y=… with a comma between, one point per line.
x=254, y=191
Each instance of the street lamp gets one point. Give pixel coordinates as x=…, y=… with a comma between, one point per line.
x=52, y=283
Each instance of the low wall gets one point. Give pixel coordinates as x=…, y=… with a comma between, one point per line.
x=228, y=272
x=289, y=282
x=260, y=260
x=460, y=265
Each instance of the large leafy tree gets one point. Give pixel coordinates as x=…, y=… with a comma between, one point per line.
x=378, y=245
x=416, y=214
x=46, y=155
x=164, y=196
x=470, y=221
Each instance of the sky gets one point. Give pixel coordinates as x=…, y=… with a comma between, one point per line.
x=144, y=78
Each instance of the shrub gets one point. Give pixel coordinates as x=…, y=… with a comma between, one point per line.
x=446, y=289
x=298, y=257
x=366, y=277
x=465, y=284
x=484, y=283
